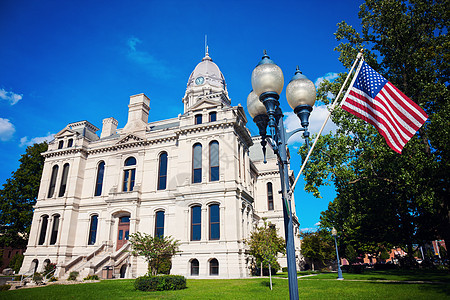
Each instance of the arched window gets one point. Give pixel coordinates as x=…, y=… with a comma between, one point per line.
x=55, y=227
x=212, y=116
x=269, y=196
x=60, y=144
x=194, y=267
x=162, y=171
x=44, y=223
x=70, y=143
x=159, y=224
x=51, y=189
x=198, y=119
x=213, y=267
x=99, y=181
x=214, y=222
x=65, y=173
x=196, y=223
x=129, y=174
x=197, y=163
x=93, y=230
x=214, y=161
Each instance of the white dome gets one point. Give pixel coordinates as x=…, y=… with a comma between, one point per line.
x=207, y=72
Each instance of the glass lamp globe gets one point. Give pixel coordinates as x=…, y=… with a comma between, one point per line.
x=254, y=106
x=334, y=232
x=267, y=77
x=300, y=91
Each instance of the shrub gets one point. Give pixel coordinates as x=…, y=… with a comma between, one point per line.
x=284, y=269
x=4, y=287
x=49, y=268
x=382, y=267
x=160, y=283
x=37, y=278
x=53, y=279
x=73, y=276
x=355, y=269
x=91, y=277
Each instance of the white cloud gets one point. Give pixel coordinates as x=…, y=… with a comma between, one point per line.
x=318, y=115
x=317, y=224
x=154, y=66
x=308, y=229
x=10, y=97
x=29, y=142
x=329, y=76
x=6, y=130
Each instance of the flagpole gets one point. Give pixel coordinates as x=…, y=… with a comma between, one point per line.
x=359, y=58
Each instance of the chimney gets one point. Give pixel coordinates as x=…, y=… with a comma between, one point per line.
x=137, y=113
x=109, y=127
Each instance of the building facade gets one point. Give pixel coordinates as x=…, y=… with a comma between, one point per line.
x=199, y=178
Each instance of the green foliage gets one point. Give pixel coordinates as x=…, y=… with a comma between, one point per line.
x=160, y=283
x=37, y=278
x=4, y=287
x=265, y=244
x=384, y=255
x=49, y=268
x=385, y=199
x=53, y=279
x=350, y=254
x=157, y=251
x=18, y=196
x=16, y=262
x=318, y=246
x=354, y=269
x=73, y=275
x=91, y=277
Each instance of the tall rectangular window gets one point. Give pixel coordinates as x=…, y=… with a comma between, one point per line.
x=269, y=196
x=212, y=116
x=196, y=223
x=43, y=232
x=159, y=224
x=99, y=181
x=214, y=161
x=51, y=189
x=162, y=171
x=55, y=227
x=198, y=119
x=65, y=174
x=214, y=222
x=197, y=163
x=93, y=230
x=129, y=174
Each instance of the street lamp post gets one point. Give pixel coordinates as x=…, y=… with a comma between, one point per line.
x=334, y=234
x=264, y=108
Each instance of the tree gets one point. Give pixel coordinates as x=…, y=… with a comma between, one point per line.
x=18, y=196
x=156, y=250
x=385, y=199
x=16, y=262
x=318, y=246
x=265, y=244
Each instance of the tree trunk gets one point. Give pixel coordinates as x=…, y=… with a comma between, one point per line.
x=312, y=265
x=270, y=277
x=261, y=271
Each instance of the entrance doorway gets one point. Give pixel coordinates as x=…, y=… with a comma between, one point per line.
x=123, y=270
x=123, y=231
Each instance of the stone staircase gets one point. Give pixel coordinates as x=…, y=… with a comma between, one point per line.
x=93, y=262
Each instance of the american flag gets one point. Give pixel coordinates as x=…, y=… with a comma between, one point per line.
x=378, y=102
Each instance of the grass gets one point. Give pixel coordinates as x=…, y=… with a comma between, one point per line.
x=321, y=287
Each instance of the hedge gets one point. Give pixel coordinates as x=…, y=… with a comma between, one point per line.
x=160, y=283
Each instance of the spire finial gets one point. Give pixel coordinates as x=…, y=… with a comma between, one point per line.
x=297, y=71
x=206, y=45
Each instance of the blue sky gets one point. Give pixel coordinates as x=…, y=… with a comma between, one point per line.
x=66, y=61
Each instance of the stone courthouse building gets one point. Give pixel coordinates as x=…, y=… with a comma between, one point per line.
x=198, y=177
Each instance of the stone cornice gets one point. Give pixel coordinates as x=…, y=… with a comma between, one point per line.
x=205, y=127
x=133, y=144
x=64, y=152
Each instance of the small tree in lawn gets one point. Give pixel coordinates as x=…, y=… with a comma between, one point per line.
x=156, y=250
x=265, y=244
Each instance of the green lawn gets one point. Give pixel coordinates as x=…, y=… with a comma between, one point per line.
x=321, y=287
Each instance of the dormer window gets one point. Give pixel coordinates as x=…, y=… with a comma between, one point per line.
x=60, y=144
x=212, y=116
x=70, y=143
x=198, y=119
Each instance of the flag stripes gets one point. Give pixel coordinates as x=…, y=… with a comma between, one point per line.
x=376, y=101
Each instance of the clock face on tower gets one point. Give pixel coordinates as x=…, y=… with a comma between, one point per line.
x=199, y=80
